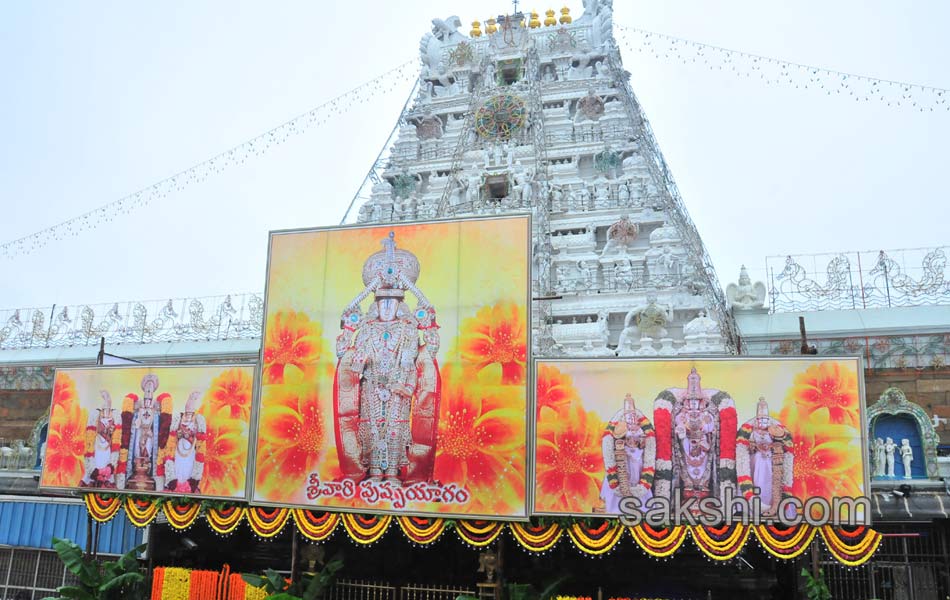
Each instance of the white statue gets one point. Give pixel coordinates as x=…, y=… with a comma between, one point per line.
x=878, y=458
x=602, y=198
x=651, y=318
x=889, y=448
x=488, y=74
x=603, y=71
x=455, y=192
x=623, y=193
x=473, y=190
x=907, y=457
x=745, y=295
x=620, y=236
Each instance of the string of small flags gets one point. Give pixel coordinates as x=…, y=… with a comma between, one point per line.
x=774, y=71
x=236, y=156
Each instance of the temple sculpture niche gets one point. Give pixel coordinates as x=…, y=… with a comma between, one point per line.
x=532, y=114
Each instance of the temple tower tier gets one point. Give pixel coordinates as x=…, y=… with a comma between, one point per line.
x=523, y=117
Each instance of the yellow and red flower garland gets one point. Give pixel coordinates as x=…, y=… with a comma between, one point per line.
x=850, y=546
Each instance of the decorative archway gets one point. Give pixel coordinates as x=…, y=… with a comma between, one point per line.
x=894, y=402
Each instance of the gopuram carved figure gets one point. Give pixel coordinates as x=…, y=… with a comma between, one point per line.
x=696, y=442
x=629, y=450
x=103, y=438
x=386, y=389
x=764, y=459
x=145, y=424
x=620, y=236
x=651, y=318
x=878, y=457
x=889, y=448
x=184, y=460
x=907, y=456
x=745, y=295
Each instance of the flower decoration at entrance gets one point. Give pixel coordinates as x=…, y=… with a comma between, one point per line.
x=500, y=117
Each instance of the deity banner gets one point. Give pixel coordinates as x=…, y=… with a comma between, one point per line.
x=688, y=429
x=179, y=431
x=394, y=369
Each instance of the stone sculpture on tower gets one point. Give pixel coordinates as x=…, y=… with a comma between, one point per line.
x=386, y=387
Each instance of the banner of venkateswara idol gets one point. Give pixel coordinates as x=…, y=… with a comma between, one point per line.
x=780, y=431
x=394, y=369
x=181, y=430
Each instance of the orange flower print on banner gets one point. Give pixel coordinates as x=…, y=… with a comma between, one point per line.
x=225, y=457
x=496, y=335
x=569, y=466
x=830, y=389
x=291, y=441
x=64, y=391
x=231, y=392
x=828, y=456
x=292, y=348
x=481, y=443
x=63, y=465
x=555, y=390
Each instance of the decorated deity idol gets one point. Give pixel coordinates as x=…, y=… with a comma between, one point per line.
x=184, y=455
x=145, y=424
x=695, y=442
x=764, y=459
x=386, y=388
x=103, y=437
x=629, y=450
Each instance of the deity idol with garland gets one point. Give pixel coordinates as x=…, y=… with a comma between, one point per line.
x=185, y=452
x=145, y=425
x=765, y=459
x=386, y=389
x=695, y=442
x=629, y=451
x=103, y=438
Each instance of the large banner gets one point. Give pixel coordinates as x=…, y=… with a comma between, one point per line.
x=180, y=430
x=394, y=369
x=685, y=430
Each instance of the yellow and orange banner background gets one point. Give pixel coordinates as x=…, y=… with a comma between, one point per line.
x=475, y=275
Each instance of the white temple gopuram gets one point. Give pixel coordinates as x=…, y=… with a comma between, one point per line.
x=524, y=114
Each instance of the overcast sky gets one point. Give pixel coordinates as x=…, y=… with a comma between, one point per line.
x=103, y=98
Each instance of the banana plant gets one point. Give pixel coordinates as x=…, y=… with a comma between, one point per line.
x=111, y=580
x=312, y=586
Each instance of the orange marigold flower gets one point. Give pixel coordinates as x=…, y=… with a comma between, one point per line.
x=291, y=440
x=225, y=457
x=568, y=463
x=828, y=388
x=827, y=456
x=230, y=392
x=291, y=340
x=496, y=335
x=554, y=390
x=63, y=465
x=481, y=443
x=64, y=390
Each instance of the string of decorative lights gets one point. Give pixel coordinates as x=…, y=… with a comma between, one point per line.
x=861, y=88
x=238, y=155
x=661, y=46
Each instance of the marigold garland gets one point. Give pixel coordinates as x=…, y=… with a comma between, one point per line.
x=237, y=587
x=316, y=526
x=421, y=530
x=176, y=584
x=852, y=548
x=141, y=512
x=366, y=530
x=225, y=520
x=785, y=542
x=536, y=538
x=720, y=543
x=158, y=580
x=180, y=516
x=100, y=508
x=203, y=585
x=658, y=542
x=478, y=533
x=267, y=522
